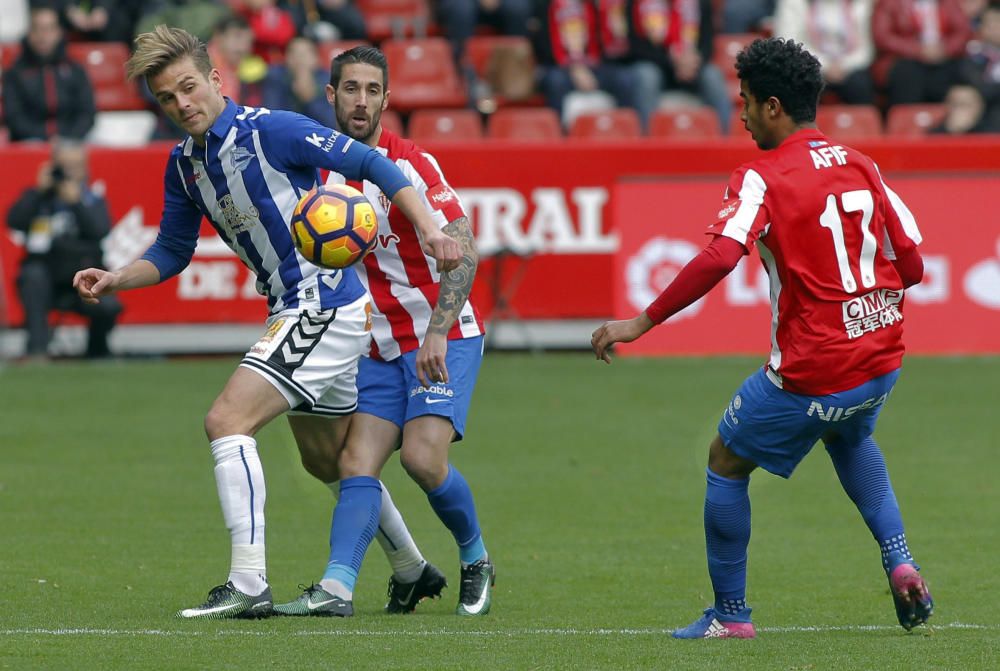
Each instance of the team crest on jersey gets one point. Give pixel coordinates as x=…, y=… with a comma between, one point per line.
x=440, y=195
x=235, y=220
x=384, y=201
x=240, y=158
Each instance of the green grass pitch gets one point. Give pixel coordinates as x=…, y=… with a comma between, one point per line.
x=589, y=482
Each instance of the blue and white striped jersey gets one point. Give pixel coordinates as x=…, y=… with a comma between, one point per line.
x=246, y=180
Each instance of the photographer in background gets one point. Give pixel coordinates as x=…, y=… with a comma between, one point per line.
x=63, y=222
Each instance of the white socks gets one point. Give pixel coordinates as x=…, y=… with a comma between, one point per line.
x=240, y=481
x=404, y=557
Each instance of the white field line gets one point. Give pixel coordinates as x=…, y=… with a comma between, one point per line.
x=445, y=633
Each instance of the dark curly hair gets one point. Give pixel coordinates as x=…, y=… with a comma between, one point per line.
x=783, y=69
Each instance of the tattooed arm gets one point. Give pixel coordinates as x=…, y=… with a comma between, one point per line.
x=453, y=293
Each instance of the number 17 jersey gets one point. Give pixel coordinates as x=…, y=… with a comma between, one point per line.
x=827, y=228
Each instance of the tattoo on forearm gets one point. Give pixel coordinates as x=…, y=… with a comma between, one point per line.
x=456, y=284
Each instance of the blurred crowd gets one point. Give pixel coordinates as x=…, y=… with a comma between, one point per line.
x=569, y=56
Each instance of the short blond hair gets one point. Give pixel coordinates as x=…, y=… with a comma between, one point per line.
x=163, y=46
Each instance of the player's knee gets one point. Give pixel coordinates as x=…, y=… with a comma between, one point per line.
x=725, y=463
x=323, y=469
x=424, y=467
x=220, y=422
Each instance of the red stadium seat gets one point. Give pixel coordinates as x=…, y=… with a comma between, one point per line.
x=725, y=47
x=479, y=57
x=422, y=74
x=913, y=120
x=479, y=49
x=427, y=125
x=617, y=124
x=386, y=19
x=512, y=123
x=685, y=123
x=329, y=50
x=849, y=121
x=392, y=122
x=105, y=65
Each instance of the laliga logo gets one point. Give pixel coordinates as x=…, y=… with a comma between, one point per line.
x=982, y=282
x=653, y=267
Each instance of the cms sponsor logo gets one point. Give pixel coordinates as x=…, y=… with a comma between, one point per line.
x=834, y=414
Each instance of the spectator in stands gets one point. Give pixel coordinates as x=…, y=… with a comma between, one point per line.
x=15, y=20
x=838, y=33
x=300, y=84
x=63, y=222
x=981, y=65
x=101, y=20
x=920, y=43
x=273, y=28
x=618, y=47
x=231, y=51
x=328, y=20
x=974, y=11
x=746, y=16
x=570, y=57
x=966, y=113
x=198, y=17
x=45, y=94
x=677, y=36
x=459, y=18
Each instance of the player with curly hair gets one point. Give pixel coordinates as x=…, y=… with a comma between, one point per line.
x=839, y=248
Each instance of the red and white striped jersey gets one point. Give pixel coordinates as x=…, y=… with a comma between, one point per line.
x=826, y=227
x=402, y=280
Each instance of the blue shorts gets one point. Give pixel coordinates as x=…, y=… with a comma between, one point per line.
x=391, y=391
x=775, y=428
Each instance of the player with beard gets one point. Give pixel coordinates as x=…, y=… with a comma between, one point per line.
x=416, y=384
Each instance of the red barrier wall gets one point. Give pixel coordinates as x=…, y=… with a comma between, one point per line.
x=956, y=309
x=547, y=206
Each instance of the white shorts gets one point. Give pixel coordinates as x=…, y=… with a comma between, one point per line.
x=311, y=356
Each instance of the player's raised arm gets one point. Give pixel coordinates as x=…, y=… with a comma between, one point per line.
x=693, y=281
x=324, y=148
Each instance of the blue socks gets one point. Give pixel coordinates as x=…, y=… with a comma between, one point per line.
x=863, y=474
x=355, y=520
x=727, y=535
x=453, y=503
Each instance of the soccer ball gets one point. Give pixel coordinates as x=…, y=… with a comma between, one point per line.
x=334, y=226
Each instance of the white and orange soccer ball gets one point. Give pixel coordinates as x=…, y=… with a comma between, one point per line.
x=334, y=226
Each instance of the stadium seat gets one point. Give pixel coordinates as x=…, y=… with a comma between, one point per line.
x=479, y=59
x=429, y=125
x=105, y=65
x=685, y=123
x=913, y=120
x=724, y=50
x=585, y=102
x=122, y=129
x=725, y=47
x=422, y=74
x=392, y=122
x=843, y=122
x=618, y=124
x=385, y=19
x=513, y=123
x=329, y=50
